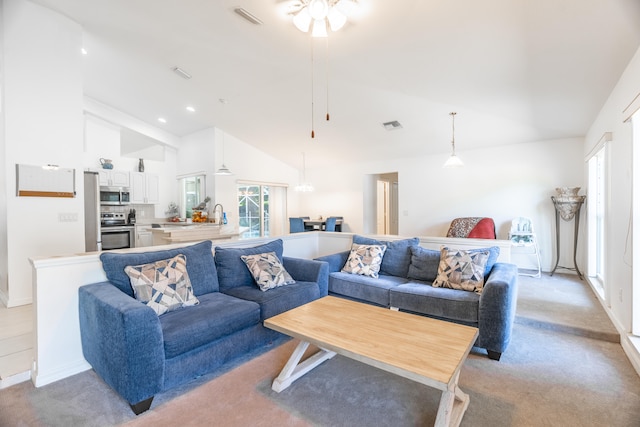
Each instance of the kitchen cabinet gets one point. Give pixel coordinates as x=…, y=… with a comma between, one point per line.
x=114, y=178
x=145, y=188
x=144, y=237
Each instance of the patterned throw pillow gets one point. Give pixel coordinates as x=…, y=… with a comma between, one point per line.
x=162, y=285
x=365, y=260
x=267, y=270
x=460, y=269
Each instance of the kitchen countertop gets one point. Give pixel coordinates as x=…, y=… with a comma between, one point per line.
x=176, y=232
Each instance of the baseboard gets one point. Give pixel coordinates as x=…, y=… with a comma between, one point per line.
x=631, y=347
x=14, y=379
x=630, y=343
x=70, y=369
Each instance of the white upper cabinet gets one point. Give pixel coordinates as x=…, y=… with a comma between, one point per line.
x=114, y=178
x=145, y=188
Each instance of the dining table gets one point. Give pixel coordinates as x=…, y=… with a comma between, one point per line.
x=319, y=224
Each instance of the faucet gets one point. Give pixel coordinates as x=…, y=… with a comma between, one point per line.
x=219, y=219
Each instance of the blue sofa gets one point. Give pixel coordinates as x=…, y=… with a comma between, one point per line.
x=140, y=354
x=404, y=283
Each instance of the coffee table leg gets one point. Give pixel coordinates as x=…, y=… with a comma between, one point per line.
x=453, y=404
x=294, y=369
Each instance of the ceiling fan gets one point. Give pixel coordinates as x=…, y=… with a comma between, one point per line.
x=320, y=13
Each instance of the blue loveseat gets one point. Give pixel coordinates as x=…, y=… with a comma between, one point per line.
x=140, y=354
x=404, y=283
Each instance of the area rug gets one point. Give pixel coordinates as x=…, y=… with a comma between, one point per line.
x=344, y=392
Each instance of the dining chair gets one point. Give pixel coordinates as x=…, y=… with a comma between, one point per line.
x=296, y=225
x=330, y=224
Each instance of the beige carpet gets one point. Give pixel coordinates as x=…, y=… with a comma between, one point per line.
x=553, y=374
x=230, y=400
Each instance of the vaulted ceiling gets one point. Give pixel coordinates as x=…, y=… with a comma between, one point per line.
x=514, y=70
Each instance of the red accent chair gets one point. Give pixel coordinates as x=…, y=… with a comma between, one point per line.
x=473, y=228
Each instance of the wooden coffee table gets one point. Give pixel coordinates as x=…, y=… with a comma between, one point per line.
x=425, y=350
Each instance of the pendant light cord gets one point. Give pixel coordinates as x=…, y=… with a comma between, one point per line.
x=327, y=39
x=313, y=133
x=453, y=133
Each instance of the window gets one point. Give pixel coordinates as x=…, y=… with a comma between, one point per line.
x=192, y=192
x=596, y=199
x=262, y=209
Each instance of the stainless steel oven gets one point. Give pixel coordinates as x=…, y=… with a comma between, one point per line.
x=118, y=237
x=114, y=196
x=115, y=233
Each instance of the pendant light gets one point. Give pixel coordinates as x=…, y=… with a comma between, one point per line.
x=304, y=186
x=453, y=161
x=223, y=169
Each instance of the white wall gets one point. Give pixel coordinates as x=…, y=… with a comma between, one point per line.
x=4, y=284
x=42, y=71
x=618, y=274
x=500, y=182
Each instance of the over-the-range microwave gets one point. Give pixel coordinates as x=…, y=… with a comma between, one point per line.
x=114, y=196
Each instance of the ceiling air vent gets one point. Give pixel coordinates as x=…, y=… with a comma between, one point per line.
x=392, y=125
x=248, y=16
x=182, y=73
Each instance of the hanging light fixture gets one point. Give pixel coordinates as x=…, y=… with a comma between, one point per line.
x=453, y=161
x=223, y=169
x=304, y=186
x=317, y=15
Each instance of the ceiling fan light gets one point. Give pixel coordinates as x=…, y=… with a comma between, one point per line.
x=318, y=9
x=302, y=20
x=319, y=28
x=336, y=19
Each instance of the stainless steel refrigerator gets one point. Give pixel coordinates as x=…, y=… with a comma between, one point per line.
x=92, y=232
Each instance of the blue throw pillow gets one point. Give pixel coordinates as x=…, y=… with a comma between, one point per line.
x=424, y=264
x=494, y=253
x=396, y=258
x=232, y=271
x=200, y=266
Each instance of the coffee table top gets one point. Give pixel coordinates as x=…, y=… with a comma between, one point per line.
x=426, y=350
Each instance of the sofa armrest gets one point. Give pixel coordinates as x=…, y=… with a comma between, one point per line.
x=122, y=340
x=498, y=307
x=306, y=270
x=336, y=261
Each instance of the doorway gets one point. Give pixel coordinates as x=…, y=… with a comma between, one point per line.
x=381, y=204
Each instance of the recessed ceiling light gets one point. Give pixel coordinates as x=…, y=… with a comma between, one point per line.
x=162, y=120
x=191, y=109
x=84, y=51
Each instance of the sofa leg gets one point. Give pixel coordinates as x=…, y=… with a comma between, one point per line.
x=494, y=355
x=142, y=406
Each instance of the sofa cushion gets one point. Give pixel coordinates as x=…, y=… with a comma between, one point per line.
x=364, y=288
x=267, y=270
x=494, y=253
x=162, y=285
x=437, y=302
x=364, y=260
x=232, y=271
x=397, y=257
x=277, y=300
x=200, y=266
x=462, y=270
x=424, y=264
x=216, y=316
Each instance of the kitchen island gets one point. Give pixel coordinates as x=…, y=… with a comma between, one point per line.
x=164, y=234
